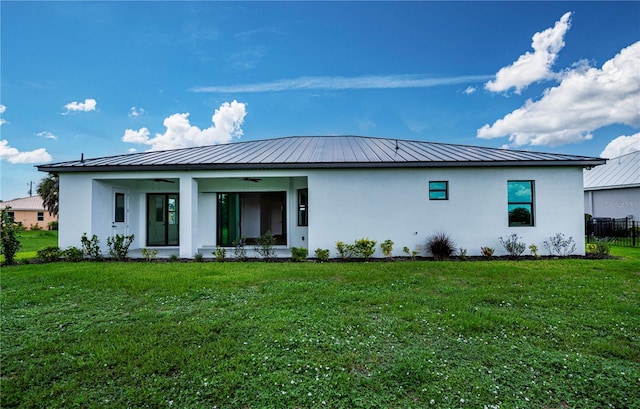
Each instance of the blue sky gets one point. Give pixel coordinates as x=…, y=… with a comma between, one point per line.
x=109, y=78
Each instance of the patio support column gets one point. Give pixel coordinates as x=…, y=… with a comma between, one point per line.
x=188, y=216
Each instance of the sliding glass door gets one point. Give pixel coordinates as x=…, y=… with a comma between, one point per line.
x=162, y=219
x=249, y=215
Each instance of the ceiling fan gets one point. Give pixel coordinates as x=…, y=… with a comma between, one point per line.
x=254, y=180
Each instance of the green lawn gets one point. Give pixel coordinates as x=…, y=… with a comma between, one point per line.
x=33, y=240
x=477, y=334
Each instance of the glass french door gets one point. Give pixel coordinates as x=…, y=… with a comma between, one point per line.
x=162, y=219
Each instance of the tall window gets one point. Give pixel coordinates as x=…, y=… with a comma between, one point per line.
x=303, y=207
x=520, y=202
x=438, y=190
x=118, y=216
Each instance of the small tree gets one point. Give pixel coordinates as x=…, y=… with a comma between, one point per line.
x=9, y=231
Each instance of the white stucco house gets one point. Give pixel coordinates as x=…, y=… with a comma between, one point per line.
x=313, y=191
x=613, y=190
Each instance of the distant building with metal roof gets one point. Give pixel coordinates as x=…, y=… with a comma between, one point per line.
x=316, y=152
x=28, y=211
x=613, y=190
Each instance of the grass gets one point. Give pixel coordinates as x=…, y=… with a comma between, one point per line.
x=494, y=334
x=33, y=240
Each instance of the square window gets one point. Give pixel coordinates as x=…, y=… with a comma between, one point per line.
x=438, y=190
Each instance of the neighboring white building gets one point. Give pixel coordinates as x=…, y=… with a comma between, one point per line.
x=313, y=191
x=613, y=190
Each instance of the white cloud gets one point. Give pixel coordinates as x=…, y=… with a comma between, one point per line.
x=621, y=146
x=89, y=104
x=343, y=83
x=12, y=155
x=46, y=135
x=135, y=112
x=3, y=108
x=470, y=90
x=227, y=121
x=533, y=66
x=586, y=99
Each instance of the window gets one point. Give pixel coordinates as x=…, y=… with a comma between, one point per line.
x=12, y=216
x=40, y=216
x=119, y=208
x=303, y=207
x=520, y=202
x=438, y=190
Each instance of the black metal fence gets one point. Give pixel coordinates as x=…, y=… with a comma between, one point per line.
x=623, y=232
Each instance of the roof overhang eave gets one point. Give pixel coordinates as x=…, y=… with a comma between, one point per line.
x=586, y=163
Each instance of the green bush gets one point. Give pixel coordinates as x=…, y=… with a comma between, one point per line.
x=600, y=249
x=119, y=246
x=239, y=251
x=91, y=247
x=149, y=254
x=441, y=246
x=322, y=254
x=298, y=254
x=345, y=251
x=387, y=248
x=265, y=247
x=52, y=225
x=9, y=245
x=198, y=257
x=364, y=248
x=49, y=254
x=73, y=254
x=220, y=253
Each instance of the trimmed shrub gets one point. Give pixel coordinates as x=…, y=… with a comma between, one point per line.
x=345, y=251
x=322, y=254
x=49, y=254
x=298, y=254
x=441, y=246
x=73, y=254
x=364, y=248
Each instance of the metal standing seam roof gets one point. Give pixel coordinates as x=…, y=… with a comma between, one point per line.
x=313, y=152
x=620, y=172
x=24, y=203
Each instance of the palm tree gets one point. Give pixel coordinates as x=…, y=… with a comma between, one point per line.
x=48, y=190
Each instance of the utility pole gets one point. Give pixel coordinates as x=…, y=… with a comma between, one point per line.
x=30, y=189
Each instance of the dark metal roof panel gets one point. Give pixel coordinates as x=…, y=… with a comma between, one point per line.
x=324, y=152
